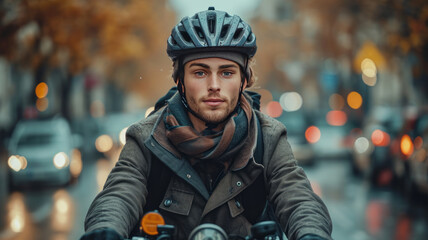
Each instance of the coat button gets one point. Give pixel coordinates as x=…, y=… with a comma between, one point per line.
x=167, y=202
x=188, y=176
x=238, y=204
x=238, y=183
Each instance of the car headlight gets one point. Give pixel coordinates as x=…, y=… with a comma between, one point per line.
x=61, y=160
x=17, y=163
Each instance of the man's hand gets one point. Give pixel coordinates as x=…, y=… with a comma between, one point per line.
x=102, y=234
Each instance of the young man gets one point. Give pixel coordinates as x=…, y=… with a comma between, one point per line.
x=206, y=136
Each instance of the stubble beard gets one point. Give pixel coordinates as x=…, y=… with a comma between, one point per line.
x=212, y=116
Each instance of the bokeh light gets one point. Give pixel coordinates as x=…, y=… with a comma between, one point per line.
x=62, y=212
x=406, y=145
x=76, y=164
x=17, y=162
x=336, y=101
x=41, y=90
x=361, y=145
x=336, y=118
x=419, y=142
x=122, y=136
x=42, y=104
x=104, y=143
x=266, y=98
x=274, y=109
x=368, y=67
x=354, y=100
x=61, y=160
x=380, y=138
x=375, y=216
x=313, y=134
x=369, y=81
x=369, y=71
x=291, y=101
x=17, y=212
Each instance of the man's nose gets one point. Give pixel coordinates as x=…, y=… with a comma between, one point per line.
x=214, y=83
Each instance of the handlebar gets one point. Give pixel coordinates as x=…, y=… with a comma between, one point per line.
x=261, y=231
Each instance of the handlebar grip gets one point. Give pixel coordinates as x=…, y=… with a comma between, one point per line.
x=263, y=229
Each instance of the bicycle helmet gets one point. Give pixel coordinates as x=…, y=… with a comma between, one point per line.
x=209, y=31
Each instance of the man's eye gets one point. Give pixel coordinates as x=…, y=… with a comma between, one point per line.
x=199, y=74
x=227, y=74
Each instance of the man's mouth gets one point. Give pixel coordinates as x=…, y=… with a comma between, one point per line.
x=213, y=102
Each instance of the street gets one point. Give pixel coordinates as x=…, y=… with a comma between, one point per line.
x=348, y=79
x=358, y=211
x=52, y=213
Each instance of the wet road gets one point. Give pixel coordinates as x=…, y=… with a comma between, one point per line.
x=358, y=211
x=51, y=213
x=361, y=212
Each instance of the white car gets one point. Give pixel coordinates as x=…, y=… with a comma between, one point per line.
x=41, y=152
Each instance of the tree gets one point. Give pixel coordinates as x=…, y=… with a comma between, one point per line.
x=75, y=36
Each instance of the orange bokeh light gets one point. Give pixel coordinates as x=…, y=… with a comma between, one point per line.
x=313, y=134
x=354, y=100
x=406, y=145
x=336, y=118
x=41, y=90
x=274, y=109
x=380, y=138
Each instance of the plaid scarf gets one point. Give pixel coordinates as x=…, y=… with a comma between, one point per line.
x=207, y=145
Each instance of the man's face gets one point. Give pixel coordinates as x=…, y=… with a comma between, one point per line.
x=212, y=87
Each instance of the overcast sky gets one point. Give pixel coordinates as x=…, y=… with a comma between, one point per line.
x=239, y=7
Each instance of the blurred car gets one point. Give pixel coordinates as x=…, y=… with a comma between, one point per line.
x=103, y=135
x=373, y=149
x=296, y=124
x=411, y=159
x=111, y=130
x=332, y=139
x=43, y=152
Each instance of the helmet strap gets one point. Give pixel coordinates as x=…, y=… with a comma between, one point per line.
x=241, y=89
x=182, y=90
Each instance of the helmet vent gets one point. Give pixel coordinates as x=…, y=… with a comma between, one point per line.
x=186, y=36
x=238, y=33
x=199, y=31
x=250, y=38
x=211, y=18
x=224, y=31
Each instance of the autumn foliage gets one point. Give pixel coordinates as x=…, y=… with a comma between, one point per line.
x=121, y=40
